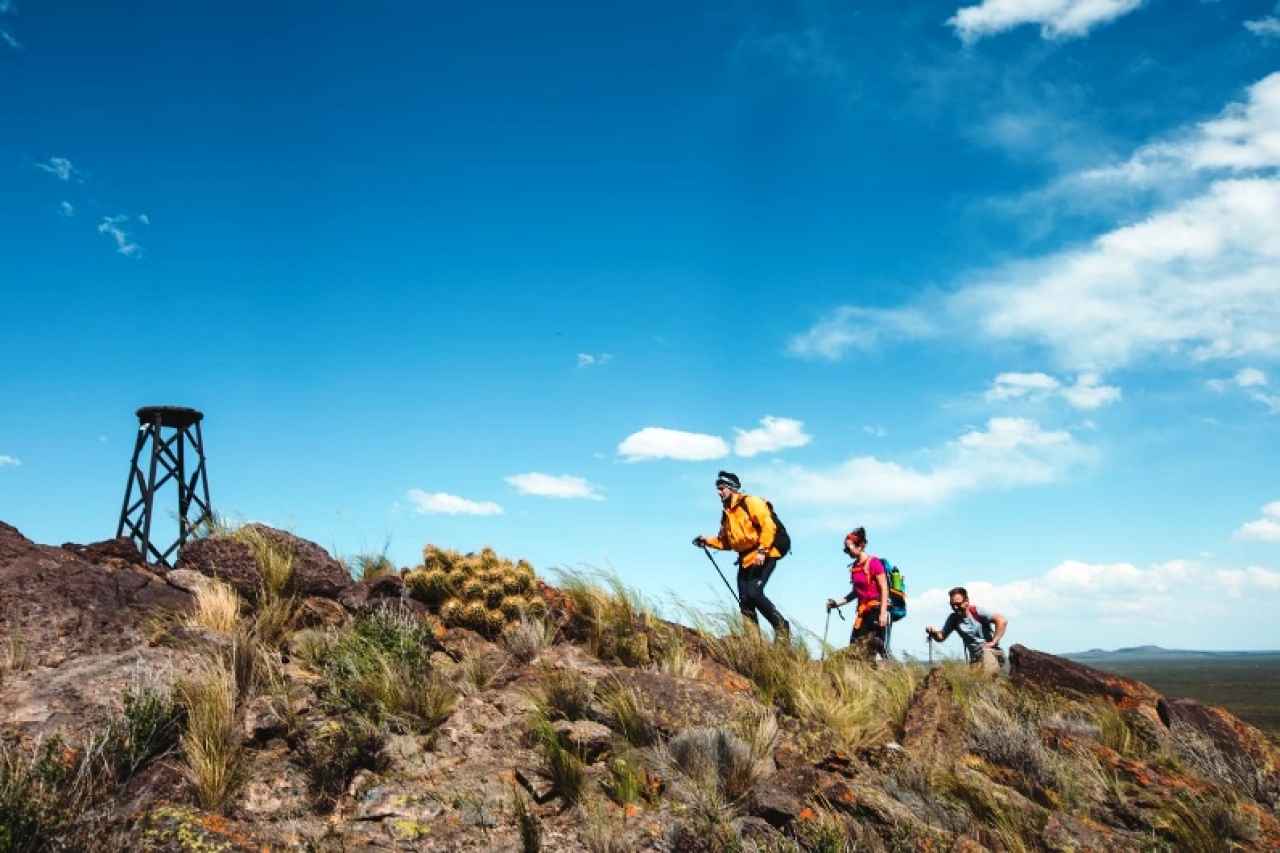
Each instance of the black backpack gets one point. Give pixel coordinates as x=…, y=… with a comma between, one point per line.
x=781, y=539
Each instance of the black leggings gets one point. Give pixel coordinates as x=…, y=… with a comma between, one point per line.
x=751, y=597
x=867, y=640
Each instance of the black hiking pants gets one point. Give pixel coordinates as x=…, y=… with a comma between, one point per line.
x=751, y=597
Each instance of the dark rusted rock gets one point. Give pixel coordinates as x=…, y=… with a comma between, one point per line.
x=225, y=559
x=57, y=605
x=315, y=572
x=364, y=595
x=934, y=728
x=121, y=551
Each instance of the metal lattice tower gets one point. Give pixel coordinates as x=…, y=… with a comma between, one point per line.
x=167, y=436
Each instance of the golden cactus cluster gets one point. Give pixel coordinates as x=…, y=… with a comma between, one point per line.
x=480, y=591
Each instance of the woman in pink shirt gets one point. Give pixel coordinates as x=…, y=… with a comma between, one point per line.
x=871, y=591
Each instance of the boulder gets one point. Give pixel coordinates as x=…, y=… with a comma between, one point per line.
x=225, y=559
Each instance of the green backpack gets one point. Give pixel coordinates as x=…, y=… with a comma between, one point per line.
x=897, y=591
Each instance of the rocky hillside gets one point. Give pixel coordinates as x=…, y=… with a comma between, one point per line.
x=256, y=698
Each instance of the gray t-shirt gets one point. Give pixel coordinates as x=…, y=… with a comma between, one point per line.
x=974, y=627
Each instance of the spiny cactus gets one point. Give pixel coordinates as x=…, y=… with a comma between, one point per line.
x=429, y=585
x=451, y=611
x=473, y=589
x=512, y=606
x=475, y=615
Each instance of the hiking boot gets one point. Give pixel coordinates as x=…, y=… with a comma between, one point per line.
x=782, y=632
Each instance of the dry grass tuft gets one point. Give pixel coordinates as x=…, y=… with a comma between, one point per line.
x=216, y=606
x=209, y=745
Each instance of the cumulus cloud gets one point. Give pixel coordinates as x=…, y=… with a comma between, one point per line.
x=59, y=167
x=440, y=503
x=1266, y=528
x=774, y=434
x=1058, y=19
x=660, y=443
x=866, y=329
x=6, y=461
x=1008, y=452
x=116, y=227
x=586, y=360
x=554, y=486
x=66, y=209
x=1118, y=604
x=1087, y=392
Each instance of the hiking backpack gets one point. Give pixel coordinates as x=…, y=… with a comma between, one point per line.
x=781, y=538
x=897, y=590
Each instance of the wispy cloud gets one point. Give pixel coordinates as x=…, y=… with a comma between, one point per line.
x=1266, y=528
x=1254, y=383
x=66, y=209
x=1268, y=27
x=59, y=167
x=1058, y=19
x=440, y=503
x=9, y=461
x=7, y=8
x=660, y=443
x=116, y=227
x=1008, y=452
x=554, y=486
x=867, y=329
x=1087, y=392
x=773, y=434
x=586, y=360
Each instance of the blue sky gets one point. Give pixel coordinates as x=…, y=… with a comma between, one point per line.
x=999, y=281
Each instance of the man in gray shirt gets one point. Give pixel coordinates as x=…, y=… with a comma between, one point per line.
x=981, y=631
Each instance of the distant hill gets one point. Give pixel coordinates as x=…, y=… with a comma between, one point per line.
x=1146, y=653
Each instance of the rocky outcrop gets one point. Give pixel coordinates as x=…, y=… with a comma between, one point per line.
x=231, y=559
x=316, y=775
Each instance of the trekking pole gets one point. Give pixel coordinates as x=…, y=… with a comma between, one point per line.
x=721, y=574
x=824, y=635
x=931, y=651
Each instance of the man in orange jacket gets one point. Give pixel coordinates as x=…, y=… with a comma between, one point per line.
x=747, y=527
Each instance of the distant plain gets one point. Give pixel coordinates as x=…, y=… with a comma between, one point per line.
x=1245, y=683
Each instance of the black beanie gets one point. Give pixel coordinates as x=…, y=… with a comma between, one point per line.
x=730, y=481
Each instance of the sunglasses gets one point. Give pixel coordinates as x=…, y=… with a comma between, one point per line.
x=959, y=605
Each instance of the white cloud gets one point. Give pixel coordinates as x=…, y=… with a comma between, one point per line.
x=59, y=167
x=866, y=329
x=1266, y=528
x=773, y=435
x=554, y=486
x=1057, y=18
x=1013, y=386
x=9, y=460
x=440, y=503
x=1252, y=381
x=1265, y=27
x=1077, y=605
x=1200, y=279
x=1086, y=393
x=144, y=219
x=1243, y=138
x=1009, y=452
x=586, y=360
x=660, y=443
x=66, y=209
x=115, y=228
x=7, y=38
